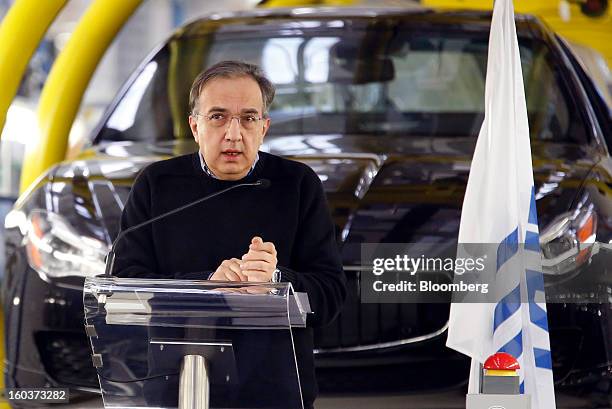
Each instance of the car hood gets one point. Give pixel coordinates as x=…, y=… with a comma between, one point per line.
x=380, y=189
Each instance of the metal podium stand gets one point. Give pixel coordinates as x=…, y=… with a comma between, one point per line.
x=194, y=344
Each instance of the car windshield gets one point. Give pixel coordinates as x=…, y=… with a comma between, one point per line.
x=381, y=80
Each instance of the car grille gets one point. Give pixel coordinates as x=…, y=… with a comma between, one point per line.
x=67, y=359
x=566, y=344
x=370, y=325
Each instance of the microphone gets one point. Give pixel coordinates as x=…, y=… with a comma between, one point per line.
x=110, y=258
x=264, y=183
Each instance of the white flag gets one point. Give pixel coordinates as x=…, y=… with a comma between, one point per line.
x=499, y=207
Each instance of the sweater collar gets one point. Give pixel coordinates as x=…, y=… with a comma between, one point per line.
x=210, y=173
x=207, y=178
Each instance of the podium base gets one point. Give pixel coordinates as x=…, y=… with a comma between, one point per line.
x=492, y=401
x=193, y=383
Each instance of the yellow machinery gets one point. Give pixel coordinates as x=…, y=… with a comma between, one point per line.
x=20, y=33
x=565, y=17
x=71, y=72
x=18, y=42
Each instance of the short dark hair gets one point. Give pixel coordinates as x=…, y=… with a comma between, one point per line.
x=232, y=69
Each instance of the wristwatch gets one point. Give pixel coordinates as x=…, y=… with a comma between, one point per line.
x=276, y=276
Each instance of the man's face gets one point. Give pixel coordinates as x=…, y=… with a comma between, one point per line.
x=231, y=149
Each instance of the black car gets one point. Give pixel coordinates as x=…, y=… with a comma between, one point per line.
x=385, y=105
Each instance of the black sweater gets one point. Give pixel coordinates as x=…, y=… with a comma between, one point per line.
x=292, y=213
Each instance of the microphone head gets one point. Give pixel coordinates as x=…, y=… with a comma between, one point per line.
x=264, y=183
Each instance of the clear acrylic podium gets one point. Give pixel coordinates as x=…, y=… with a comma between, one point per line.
x=156, y=343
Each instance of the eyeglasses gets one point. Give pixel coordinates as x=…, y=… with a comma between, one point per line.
x=218, y=120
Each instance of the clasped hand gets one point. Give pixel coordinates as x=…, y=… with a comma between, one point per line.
x=258, y=264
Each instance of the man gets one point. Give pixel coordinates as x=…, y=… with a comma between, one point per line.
x=281, y=233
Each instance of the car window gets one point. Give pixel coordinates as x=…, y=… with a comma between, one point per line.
x=370, y=80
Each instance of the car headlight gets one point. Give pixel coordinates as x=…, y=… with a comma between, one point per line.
x=56, y=249
x=567, y=242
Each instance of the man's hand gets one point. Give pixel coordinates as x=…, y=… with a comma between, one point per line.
x=260, y=261
x=229, y=270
